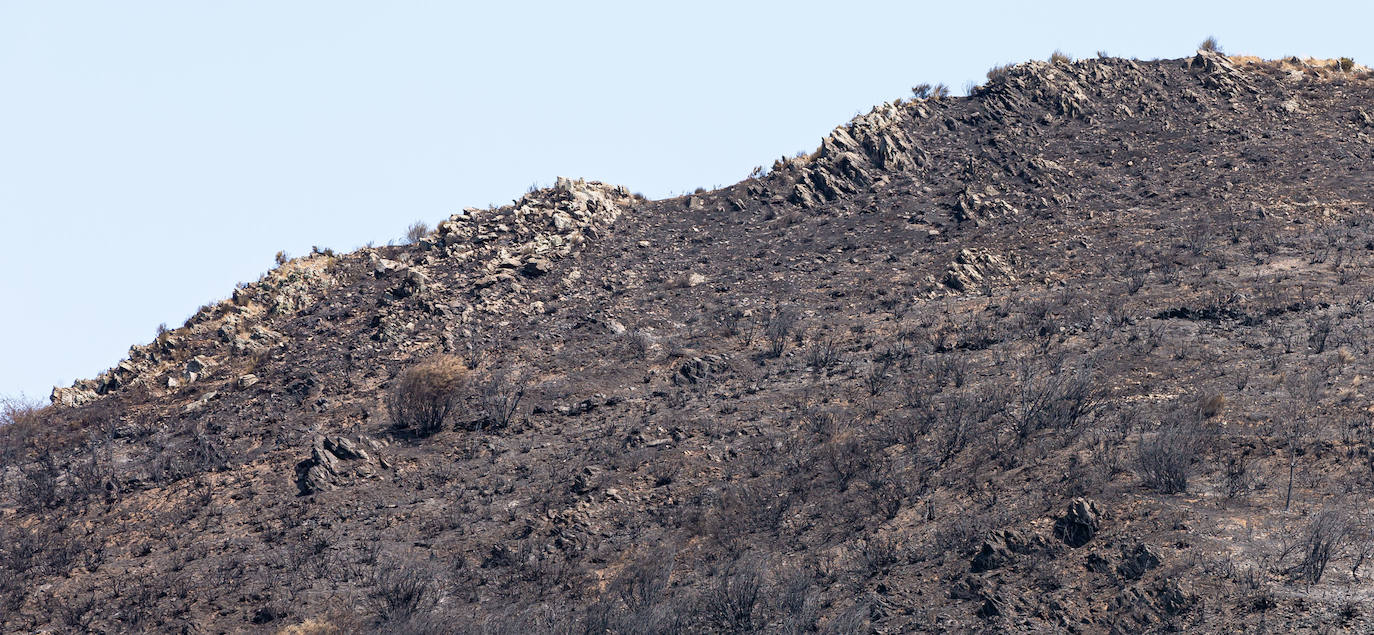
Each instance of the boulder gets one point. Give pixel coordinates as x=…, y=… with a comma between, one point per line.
x=1079, y=523
x=536, y=267
x=336, y=462
x=1136, y=561
x=700, y=368
x=1001, y=547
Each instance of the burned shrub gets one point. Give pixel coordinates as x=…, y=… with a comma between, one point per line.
x=781, y=323
x=402, y=590
x=1165, y=460
x=499, y=398
x=1319, y=543
x=823, y=353
x=426, y=394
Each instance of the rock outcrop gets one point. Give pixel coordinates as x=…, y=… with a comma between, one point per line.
x=338, y=461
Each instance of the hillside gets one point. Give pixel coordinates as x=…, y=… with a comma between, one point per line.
x=1084, y=351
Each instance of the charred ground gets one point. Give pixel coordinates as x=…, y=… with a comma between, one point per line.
x=1083, y=351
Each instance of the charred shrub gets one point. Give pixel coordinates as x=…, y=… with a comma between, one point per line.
x=425, y=395
x=780, y=326
x=402, y=590
x=499, y=397
x=1165, y=460
x=1324, y=537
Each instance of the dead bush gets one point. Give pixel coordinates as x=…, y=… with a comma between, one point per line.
x=1319, y=543
x=416, y=232
x=1165, y=460
x=426, y=394
x=499, y=397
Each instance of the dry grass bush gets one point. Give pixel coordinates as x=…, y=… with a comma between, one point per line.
x=416, y=231
x=426, y=395
x=1212, y=405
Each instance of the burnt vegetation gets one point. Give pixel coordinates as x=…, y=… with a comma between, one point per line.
x=1085, y=350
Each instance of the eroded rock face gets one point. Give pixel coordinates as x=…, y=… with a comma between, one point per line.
x=1001, y=547
x=336, y=462
x=858, y=155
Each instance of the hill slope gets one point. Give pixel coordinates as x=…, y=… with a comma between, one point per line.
x=1084, y=351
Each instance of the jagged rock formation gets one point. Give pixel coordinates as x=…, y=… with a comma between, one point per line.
x=337, y=461
x=1039, y=359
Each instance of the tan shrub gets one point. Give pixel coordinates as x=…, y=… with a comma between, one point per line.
x=425, y=395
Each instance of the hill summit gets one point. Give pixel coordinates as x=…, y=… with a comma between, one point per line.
x=1082, y=351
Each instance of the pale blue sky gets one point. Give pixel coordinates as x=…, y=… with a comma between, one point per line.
x=153, y=154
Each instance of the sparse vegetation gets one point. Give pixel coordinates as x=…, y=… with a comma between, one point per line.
x=1210, y=44
x=417, y=231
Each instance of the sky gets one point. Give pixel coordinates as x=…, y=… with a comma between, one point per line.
x=154, y=154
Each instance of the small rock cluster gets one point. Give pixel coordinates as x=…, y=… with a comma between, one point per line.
x=975, y=267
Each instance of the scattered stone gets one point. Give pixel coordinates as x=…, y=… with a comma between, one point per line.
x=247, y=380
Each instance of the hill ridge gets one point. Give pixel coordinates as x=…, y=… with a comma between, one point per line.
x=1083, y=351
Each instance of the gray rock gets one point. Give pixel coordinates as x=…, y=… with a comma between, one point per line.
x=1001, y=547
x=1137, y=560
x=536, y=267
x=1079, y=523
x=197, y=365
x=72, y=397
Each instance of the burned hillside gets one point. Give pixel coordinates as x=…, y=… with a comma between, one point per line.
x=1083, y=351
